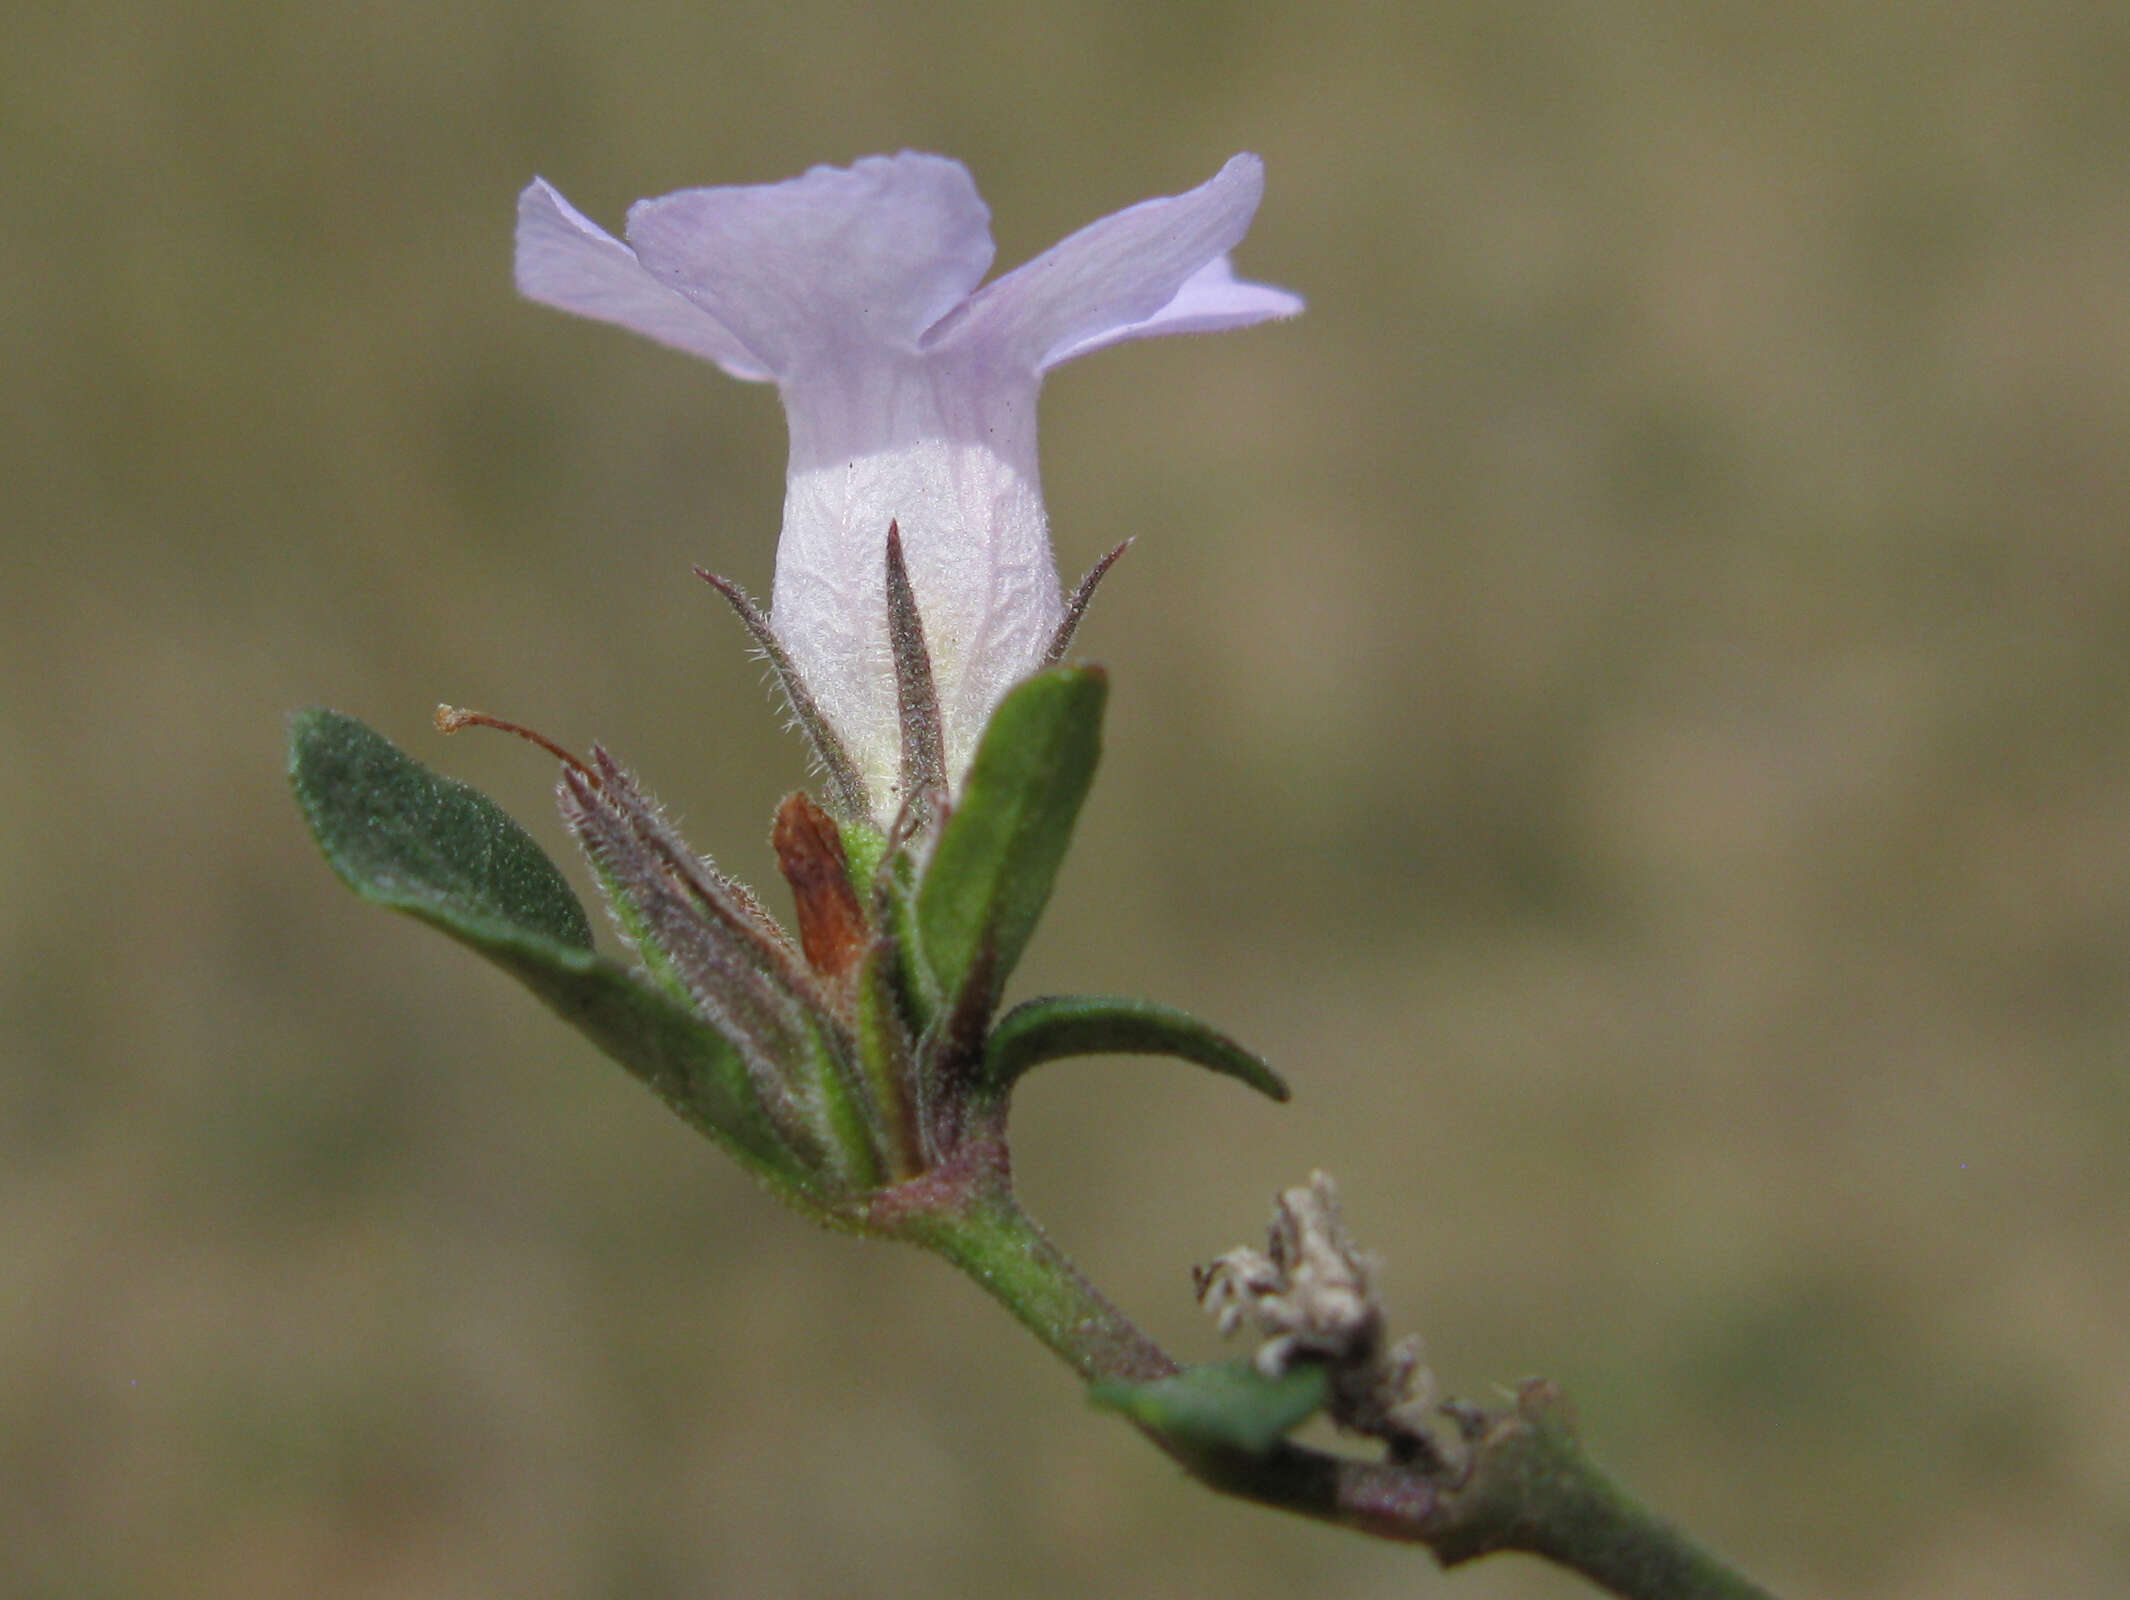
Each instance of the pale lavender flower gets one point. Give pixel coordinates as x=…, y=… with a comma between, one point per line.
x=910, y=393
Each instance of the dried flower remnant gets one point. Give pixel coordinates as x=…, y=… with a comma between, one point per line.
x=1310, y=1294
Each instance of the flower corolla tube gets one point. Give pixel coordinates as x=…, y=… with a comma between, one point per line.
x=910, y=394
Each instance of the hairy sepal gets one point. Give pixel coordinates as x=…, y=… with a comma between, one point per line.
x=406, y=838
x=698, y=932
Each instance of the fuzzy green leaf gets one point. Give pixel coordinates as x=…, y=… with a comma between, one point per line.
x=406, y=838
x=1228, y=1406
x=1054, y=1026
x=991, y=872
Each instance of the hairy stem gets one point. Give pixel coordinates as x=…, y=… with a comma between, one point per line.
x=999, y=1246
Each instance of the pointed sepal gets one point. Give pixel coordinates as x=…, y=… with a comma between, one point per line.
x=708, y=942
x=1076, y=606
x=411, y=840
x=846, y=789
x=1055, y=1026
x=1228, y=1406
x=924, y=751
x=991, y=872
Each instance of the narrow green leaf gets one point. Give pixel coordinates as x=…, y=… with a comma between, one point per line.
x=991, y=872
x=403, y=837
x=1228, y=1406
x=1054, y=1026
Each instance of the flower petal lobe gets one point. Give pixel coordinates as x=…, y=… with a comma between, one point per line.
x=567, y=261
x=839, y=260
x=1116, y=278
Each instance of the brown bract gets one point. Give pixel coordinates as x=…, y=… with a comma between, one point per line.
x=833, y=931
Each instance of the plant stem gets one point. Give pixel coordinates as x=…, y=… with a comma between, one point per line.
x=1001, y=1248
x=1529, y=1486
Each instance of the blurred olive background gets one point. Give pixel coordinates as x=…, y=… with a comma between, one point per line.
x=1627, y=702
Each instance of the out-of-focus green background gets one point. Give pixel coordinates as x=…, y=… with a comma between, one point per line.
x=1627, y=702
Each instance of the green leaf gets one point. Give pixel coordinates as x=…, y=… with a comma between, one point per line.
x=686, y=1062
x=411, y=840
x=886, y=1057
x=402, y=836
x=1229, y=1406
x=991, y=872
x=1054, y=1026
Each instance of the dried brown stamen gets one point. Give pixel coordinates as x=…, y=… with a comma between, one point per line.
x=449, y=719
